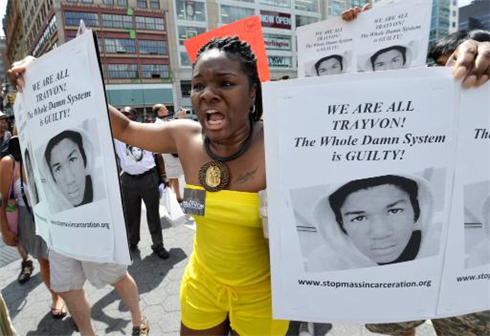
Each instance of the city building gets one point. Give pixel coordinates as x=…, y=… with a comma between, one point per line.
x=133, y=43
x=444, y=19
x=141, y=42
x=475, y=15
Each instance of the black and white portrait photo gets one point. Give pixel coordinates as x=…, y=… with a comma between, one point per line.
x=134, y=153
x=329, y=65
x=368, y=222
x=477, y=224
x=393, y=57
x=70, y=162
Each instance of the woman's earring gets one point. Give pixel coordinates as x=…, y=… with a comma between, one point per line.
x=252, y=110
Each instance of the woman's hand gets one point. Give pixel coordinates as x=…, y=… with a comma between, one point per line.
x=16, y=72
x=471, y=63
x=351, y=14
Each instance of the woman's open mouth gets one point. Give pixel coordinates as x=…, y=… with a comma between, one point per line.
x=214, y=119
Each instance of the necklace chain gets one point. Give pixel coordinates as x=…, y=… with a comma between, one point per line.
x=243, y=149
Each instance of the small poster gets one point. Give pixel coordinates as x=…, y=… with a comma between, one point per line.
x=67, y=147
x=360, y=194
x=391, y=37
x=467, y=267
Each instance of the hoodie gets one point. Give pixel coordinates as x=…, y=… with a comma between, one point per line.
x=339, y=251
x=93, y=179
x=480, y=254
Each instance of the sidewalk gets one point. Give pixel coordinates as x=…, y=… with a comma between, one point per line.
x=158, y=283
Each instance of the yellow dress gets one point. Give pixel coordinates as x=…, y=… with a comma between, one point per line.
x=228, y=274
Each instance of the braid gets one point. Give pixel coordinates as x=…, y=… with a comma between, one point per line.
x=239, y=51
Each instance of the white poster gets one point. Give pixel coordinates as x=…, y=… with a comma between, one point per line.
x=359, y=193
x=391, y=37
x=467, y=267
x=68, y=152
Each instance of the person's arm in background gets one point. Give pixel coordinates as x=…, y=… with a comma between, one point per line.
x=6, y=171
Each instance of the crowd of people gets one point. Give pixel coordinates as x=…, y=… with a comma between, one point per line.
x=226, y=287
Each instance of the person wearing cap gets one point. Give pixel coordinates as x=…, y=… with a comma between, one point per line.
x=5, y=135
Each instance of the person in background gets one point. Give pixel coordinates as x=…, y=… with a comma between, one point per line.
x=11, y=181
x=5, y=135
x=173, y=166
x=441, y=51
x=140, y=181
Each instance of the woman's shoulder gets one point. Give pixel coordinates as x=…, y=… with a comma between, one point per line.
x=6, y=161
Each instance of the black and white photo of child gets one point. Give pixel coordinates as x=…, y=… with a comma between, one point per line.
x=373, y=221
x=393, y=57
x=70, y=168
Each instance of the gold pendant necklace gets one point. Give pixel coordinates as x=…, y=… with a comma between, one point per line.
x=214, y=176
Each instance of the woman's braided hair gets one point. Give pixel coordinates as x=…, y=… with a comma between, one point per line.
x=239, y=51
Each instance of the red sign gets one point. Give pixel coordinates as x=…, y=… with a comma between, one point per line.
x=275, y=19
x=248, y=29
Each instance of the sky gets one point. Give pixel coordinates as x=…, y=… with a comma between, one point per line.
x=3, y=5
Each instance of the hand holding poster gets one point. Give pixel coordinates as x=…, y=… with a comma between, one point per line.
x=391, y=37
x=367, y=219
x=64, y=132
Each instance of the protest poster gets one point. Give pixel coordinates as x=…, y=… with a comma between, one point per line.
x=389, y=37
x=67, y=146
x=248, y=29
x=362, y=186
x=467, y=266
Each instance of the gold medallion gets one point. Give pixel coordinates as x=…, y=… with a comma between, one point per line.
x=214, y=176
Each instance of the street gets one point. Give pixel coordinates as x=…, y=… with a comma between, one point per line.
x=158, y=283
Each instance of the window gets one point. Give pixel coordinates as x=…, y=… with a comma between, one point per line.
x=87, y=1
x=109, y=2
x=280, y=61
x=154, y=71
x=117, y=21
x=71, y=0
x=155, y=4
x=185, y=88
x=152, y=47
x=454, y=24
x=184, y=59
x=277, y=42
x=73, y=19
x=232, y=14
x=150, y=23
x=122, y=70
x=48, y=33
x=141, y=4
x=122, y=3
x=307, y=6
x=304, y=20
x=190, y=10
x=120, y=46
x=276, y=3
x=188, y=32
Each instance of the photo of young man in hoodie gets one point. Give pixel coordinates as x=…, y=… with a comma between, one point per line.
x=374, y=221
